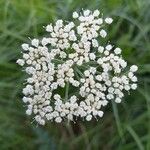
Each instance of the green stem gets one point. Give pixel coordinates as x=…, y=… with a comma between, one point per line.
x=79, y=72
x=58, y=61
x=66, y=91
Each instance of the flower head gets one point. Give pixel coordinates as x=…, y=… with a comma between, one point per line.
x=71, y=74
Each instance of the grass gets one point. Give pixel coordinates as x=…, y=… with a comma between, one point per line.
x=123, y=127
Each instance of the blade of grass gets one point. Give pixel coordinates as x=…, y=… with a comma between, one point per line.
x=135, y=137
x=117, y=119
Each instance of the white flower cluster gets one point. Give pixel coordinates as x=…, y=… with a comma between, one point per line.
x=71, y=74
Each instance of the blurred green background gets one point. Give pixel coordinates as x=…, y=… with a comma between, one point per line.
x=124, y=127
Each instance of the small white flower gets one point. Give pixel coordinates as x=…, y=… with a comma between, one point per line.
x=45, y=41
x=30, y=70
x=57, y=97
x=134, y=79
x=86, y=73
x=59, y=24
x=25, y=46
x=106, y=52
x=95, y=43
x=96, y=13
x=130, y=75
x=89, y=117
x=49, y=28
x=103, y=33
x=28, y=90
x=92, y=70
x=118, y=100
x=26, y=99
x=28, y=111
x=134, y=86
x=109, y=47
x=20, y=62
x=99, y=78
x=35, y=42
x=100, y=113
x=86, y=12
x=100, y=61
x=75, y=15
x=117, y=51
x=26, y=56
x=108, y=20
x=99, y=21
x=42, y=122
x=100, y=49
x=133, y=68
x=92, y=56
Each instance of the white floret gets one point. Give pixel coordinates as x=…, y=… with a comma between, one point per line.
x=96, y=13
x=89, y=117
x=25, y=46
x=133, y=68
x=75, y=15
x=21, y=62
x=103, y=33
x=35, y=42
x=49, y=28
x=108, y=20
x=117, y=51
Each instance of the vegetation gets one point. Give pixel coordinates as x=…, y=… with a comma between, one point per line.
x=123, y=127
